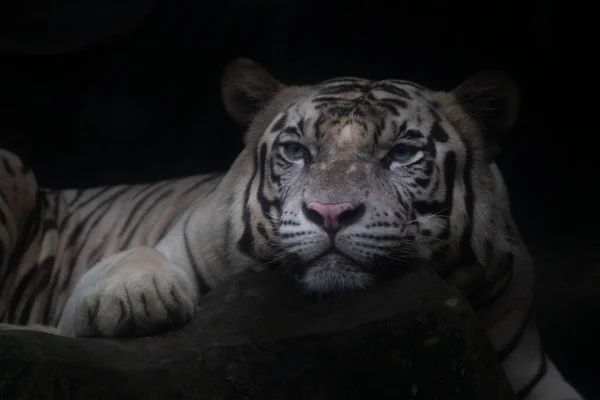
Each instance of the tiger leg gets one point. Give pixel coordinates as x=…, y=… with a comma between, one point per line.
x=133, y=293
x=532, y=373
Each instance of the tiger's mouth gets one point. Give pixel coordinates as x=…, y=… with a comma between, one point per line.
x=337, y=257
x=333, y=272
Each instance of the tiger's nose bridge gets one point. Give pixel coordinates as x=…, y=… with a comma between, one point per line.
x=339, y=175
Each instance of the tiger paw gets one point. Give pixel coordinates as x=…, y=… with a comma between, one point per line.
x=132, y=294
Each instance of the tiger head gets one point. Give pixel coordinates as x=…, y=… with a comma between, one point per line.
x=349, y=177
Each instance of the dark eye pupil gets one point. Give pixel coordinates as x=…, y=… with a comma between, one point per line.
x=295, y=150
x=401, y=153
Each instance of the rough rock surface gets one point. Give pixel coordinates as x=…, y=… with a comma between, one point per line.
x=257, y=337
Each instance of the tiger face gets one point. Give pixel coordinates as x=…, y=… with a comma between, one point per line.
x=353, y=177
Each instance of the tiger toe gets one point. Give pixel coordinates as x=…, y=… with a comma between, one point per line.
x=131, y=300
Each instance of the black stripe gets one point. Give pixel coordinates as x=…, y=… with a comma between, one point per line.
x=25, y=239
x=291, y=130
x=93, y=329
x=95, y=196
x=80, y=206
x=137, y=206
x=49, y=224
x=7, y=167
x=344, y=80
x=200, y=282
x=145, y=304
x=84, y=238
x=79, y=193
x=94, y=256
x=46, y=317
x=489, y=249
x=344, y=87
x=122, y=307
x=481, y=304
x=439, y=133
x=401, y=130
x=49, y=317
x=25, y=167
x=246, y=242
x=390, y=108
x=3, y=197
x=414, y=134
x=542, y=369
x=146, y=187
x=3, y=219
x=76, y=233
x=406, y=83
x=55, y=212
x=423, y=182
x=199, y=183
x=317, y=124
x=516, y=339
x=41, y=282
x=395, y=102
x=467, y=255
x=265, y=203
x=172, y=315
x=431, y=146
x=442, y=208
x=435, y=115
x=393, y=89
x=280, y=123
x=3, y=251
x=46, y=267
x=167, y=227
x=15, y=299
x=156, y=202
x=99, y=210
x=327, y=99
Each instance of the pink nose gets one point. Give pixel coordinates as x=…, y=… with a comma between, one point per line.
x=332, y=216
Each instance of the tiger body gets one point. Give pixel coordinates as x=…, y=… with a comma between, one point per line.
x=60, y=243
x=338, y=183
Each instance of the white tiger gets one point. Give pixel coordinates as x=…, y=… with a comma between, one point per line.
x=338, y=182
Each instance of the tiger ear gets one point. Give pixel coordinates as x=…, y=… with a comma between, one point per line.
x=246, y=88
x=492, y=99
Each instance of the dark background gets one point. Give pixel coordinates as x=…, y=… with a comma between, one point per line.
x=95, y=93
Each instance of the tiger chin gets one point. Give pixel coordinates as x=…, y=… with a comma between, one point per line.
x=338, y=183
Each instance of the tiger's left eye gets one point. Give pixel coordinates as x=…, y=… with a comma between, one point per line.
x=402, y=152
x=295, y=150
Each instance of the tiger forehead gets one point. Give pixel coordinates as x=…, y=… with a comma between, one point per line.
x=352, y=89
x=347, y=131
x=369, y=100
x=355, y=111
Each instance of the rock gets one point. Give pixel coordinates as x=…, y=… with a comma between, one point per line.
x=257, y=337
